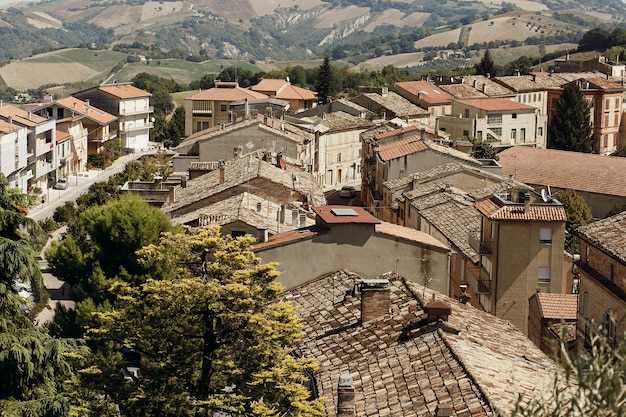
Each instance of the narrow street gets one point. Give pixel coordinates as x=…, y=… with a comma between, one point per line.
x=79, y=185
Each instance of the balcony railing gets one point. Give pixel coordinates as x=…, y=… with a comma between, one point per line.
x=126, y=129
x=481, y=246
x=43, y=147
x=148, y=109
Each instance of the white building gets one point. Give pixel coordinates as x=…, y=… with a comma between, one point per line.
x=13, y=155
x=41, y=158
x=501, y=122
x=335, y=152
x=132, y=107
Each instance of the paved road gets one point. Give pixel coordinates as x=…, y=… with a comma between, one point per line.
x=80, y=185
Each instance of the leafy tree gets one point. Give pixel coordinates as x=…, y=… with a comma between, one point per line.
x=65, y=213
x=212, y=331
x=595, y=40
x=175, y=128
x=484, y=150
x=570, y=128
x=486, y=66
x=243, y=76
x=578, y=214
x=592, y=384
x=324, y=82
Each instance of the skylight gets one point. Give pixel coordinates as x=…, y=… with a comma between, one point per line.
x=343, y=212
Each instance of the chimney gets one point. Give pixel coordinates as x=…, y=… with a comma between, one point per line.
x=484, y=88
x=222, y=171
x=526, y=201
x=345, y=396
x=87, y=103
x=437, y=310
x=375, y=299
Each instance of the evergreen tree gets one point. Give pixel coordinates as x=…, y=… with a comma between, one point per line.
x=570, y=128
x=484, y=150
x=486, y=66
x=212, y=332
x=324, y=82
x=578, y=214
x=175, y=128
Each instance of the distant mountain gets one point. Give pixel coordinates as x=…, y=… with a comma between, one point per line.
x=276, y=29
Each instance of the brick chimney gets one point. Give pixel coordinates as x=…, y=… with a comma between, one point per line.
x=345, y=396
x=375, y=299
x=437, y=310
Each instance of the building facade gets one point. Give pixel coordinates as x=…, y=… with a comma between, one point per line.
x=13, y=155
x=299, y=99
x=130, y=105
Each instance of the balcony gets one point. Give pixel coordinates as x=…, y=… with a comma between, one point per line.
x=481, y=246
x=43, y=147
x=133, y=128
x=145, y=110
x=43, y=168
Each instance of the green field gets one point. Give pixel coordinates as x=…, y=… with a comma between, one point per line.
x=180, y=70
x=98, y=59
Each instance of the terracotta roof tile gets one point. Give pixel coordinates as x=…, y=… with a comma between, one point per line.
x=328, y=214
x=517, y=212
x=608, y=234
x=427, y=91
x=286, y=238
x=558, y=306
x=566, y=170
x=400, y=367
x=6, y=127
x=462, y=91
x=396, y=104
x=496, y=104
x=20, y=116
x=225, y=93
x=605, y=84
x=82, y=108
x=269, y=84
x=62, y=136
x=396, y=132
x=401, y=148
x=124, y=91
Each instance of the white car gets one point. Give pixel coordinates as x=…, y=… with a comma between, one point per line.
x=61, y=184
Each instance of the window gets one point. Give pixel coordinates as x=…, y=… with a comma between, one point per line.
x=258, y=207
x=605, y=141
x=513, y=134
x=479, y=134
x=497, y=131
x=339, y=157
x=522, y=134
x=606, y=120
x=466, y=133
x=617, y=99
x=329, y=177
x=545, y=235
x=543, y=274
x=514, y=116
x=467, y=113
x=540, y=131
x=223, y=108
x=494, y=118
x=339, y=176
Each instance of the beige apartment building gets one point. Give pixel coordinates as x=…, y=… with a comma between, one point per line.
x=208, y=108
x=602, y=269
x=521, y=244
x=427, y=96
x=499, y=121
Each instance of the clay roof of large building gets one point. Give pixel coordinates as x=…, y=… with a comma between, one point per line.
x=426, y=91
x=557, y=306
x=496, y=104
x=462, y=91
x=226, y=92
x=608, y=234
x=80, y=107
x=241, y=171
x=533, y=82
x=495, y=208
x=400, y=148
x=19, y=116
x=124, y=91
x=284, y=90
x=396, y=104
x=403, y=365
x=62, y=136
x=6, y=127
x=332, y=122
x=487, y=86
x=604, y=84
x=566, y=170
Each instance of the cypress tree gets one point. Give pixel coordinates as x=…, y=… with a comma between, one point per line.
x=570, y=128
x=324, y=82
x=486, y=66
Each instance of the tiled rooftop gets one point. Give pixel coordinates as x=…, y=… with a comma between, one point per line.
x=608, y=234
x=396, y=104
x=402, y=147
x=495, y=208
x=558, y=306
x=487, y=86
x=426, y=91
x=240, y=171
x=124, y=91
x=225, y=92
x=284, y=90
x=461, y=91
x=401, y=366
x=566, y=170
x=344, y=215
x=82, y=108
x=19, y=116
x=496, y=104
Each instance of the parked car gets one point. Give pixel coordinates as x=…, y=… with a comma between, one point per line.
x=61, y=184
x=347, y=191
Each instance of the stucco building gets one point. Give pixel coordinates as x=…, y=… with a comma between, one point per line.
x=13, y=155
x=131, y=106
x=388, y=105
x=298, y=98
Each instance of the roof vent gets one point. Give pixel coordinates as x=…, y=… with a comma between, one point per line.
x=345, y=396
x=343, y=212
x=375, y=298
x=437, y=310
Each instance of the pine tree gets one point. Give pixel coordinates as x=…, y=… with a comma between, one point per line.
x=570, y=128
x=324, y=82
x=212, y=331
x=578, y=214
x=486, y=66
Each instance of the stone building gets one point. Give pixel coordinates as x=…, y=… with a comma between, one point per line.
x=602, y=269
x=388, y=105
x=552, y=319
